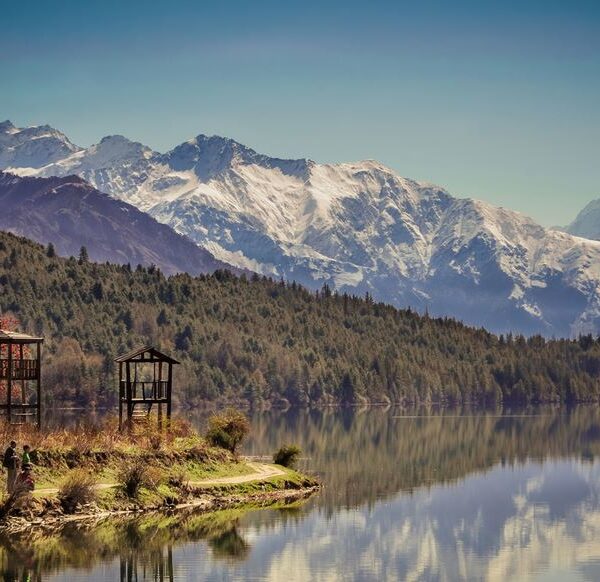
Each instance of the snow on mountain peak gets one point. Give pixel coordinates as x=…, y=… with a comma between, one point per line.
x=210, y=156
x=115, y=149
x=587, y=222
x=356, y=225
x=7, y=127
x=32, y=147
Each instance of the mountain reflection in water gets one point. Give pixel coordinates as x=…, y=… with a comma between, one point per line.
x=431, y=495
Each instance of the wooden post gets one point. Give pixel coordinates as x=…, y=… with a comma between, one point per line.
x=22, y=366
x=9, y=384
x=160, y=378
x=120, y=395
x=159, y=394
x=128, y=392
x=39, y=385
x=169, y=383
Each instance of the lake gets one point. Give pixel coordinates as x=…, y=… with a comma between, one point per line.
x=420, y=495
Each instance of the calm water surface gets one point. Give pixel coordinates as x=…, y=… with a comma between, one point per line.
x=428, y=496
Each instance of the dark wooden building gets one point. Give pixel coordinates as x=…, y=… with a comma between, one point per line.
x=145, y=384
x=21, y=377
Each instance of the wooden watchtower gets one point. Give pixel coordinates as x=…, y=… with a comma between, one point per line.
x=20, y=377
x=145, y=383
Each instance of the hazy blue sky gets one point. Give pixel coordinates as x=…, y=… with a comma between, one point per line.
x=498, y=101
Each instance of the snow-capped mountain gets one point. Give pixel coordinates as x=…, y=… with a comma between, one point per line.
x=357, y=226
x=587, y=222
x=33, y=147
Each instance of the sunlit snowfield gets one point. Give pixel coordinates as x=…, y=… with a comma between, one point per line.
x=430, y=495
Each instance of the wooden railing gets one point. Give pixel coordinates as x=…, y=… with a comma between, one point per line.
x=145, y=390
x=21, y=369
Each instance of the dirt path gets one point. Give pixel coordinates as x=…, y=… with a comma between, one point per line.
x=261, y=471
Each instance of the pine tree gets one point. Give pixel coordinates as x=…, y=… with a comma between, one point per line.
x=98, y=291
x=162, y=318
x=83, y=256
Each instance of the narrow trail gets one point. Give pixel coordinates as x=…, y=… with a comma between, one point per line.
x=261, y=471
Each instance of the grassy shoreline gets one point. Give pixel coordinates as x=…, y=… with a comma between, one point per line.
x=93, y=471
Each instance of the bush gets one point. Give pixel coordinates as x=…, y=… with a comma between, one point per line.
x=179, y=478
x=19, y=499
x=155, y=442
x=287, y=455
x=137, y=474
x=228, y=429
x=78, y=488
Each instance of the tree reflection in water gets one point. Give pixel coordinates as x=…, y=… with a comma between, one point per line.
x=400, y=489
x=158, y=565
x=143, y=546
x=365, y=455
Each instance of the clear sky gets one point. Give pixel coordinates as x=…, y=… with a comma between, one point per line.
x=493, y=100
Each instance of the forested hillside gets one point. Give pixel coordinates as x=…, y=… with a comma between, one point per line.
x=70, y=213
x=264, y=341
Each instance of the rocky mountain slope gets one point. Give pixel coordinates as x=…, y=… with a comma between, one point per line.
x=70, y=213
x=357, y=226
x=587, y=222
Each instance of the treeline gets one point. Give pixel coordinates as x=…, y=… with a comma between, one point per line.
x=261, y=341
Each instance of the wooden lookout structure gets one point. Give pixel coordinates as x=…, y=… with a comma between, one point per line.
x=20, y=377
x=145, y=384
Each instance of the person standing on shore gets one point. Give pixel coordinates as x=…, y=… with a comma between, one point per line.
x=26, y=459
x=11, y=464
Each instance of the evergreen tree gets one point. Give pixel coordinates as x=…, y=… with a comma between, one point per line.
x=259, y=340
x=83, y=256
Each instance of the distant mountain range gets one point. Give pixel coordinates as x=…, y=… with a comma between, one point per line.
x=70, y=213
x=587, y=222
x=356, y=226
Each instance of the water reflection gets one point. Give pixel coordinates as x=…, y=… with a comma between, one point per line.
x=140, y=548
x=158, y=566
x=452, y=496
x=366, y=455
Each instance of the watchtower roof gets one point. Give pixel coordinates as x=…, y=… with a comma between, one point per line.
x=18, y=338
x=146, y=354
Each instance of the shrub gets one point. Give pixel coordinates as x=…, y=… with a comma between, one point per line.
x=137, y=474
x=78, y=488
x=179, y=478
x=155, y=442
x=228, y=429
x=18, y=499
x=287, y=455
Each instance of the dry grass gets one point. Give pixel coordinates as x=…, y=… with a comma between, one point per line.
x=141, y=458
x=137, y=474
x=179, y=478
x=104, y=436
x=78, y=488
x=18, y=499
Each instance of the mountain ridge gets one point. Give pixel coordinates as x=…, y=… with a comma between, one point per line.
x=68, y=212
x=587, y=222
x=359, y=227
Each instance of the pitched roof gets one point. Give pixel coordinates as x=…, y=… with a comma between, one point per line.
x=154, y=355
x=16, y=337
